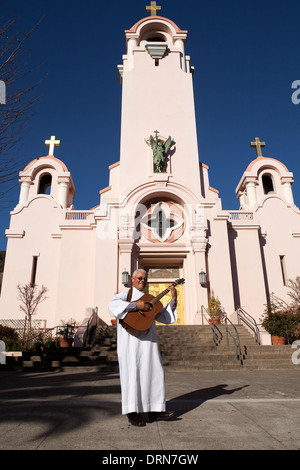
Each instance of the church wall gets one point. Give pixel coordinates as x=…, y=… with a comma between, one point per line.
x=249, y=281
x=30, y=235
x=219, y=263
x=106, y=264
x=194, y=294
x=281, y=239
x=75, y=276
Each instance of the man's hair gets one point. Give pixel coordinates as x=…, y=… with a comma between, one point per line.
x=139, y=270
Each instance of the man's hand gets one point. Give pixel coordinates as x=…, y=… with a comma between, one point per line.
x=173, y=292
x=141, y=305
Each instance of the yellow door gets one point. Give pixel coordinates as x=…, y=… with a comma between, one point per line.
x=155, y=288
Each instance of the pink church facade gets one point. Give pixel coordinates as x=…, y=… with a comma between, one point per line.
x=169, y=222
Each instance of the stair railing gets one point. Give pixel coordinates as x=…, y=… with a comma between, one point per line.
x=236, y=340
x=91, y=322
x=249, y=321
x=217, y=334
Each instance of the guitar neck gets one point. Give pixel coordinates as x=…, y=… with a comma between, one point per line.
x=162, y=294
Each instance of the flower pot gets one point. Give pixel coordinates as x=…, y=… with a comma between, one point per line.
x=65, y=342
x=215, y=321
x=278, y=340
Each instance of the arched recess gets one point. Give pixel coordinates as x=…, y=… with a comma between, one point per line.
x=45, y=183
x=267, y=183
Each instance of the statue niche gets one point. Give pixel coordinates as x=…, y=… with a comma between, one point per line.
x=160, y=151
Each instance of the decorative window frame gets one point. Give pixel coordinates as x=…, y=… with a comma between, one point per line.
x=172, y=212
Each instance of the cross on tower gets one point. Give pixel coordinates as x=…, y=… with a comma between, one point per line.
x=153, y=9
x=258, y=144
x=52, y=143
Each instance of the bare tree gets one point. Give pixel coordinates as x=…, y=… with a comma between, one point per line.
x=294, y=292
x=20, y=98
x=30, y=298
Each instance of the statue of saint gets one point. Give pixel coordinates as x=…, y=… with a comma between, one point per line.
x=160, y=150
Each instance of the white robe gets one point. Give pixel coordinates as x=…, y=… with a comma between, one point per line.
x=141, y=369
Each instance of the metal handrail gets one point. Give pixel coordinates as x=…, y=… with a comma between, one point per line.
x=217, y=334
x=215, y=329
x=91, y=322
x=245, y=317
x=236, y=340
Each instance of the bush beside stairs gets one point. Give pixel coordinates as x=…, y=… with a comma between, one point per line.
x=183, y=348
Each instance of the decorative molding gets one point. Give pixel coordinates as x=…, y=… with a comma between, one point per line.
x=157, y=50
x=10, y=233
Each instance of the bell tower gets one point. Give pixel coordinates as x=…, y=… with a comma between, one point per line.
x=157, y=104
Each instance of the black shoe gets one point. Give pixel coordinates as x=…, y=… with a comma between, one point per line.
x=161, y=416
x=135, y=419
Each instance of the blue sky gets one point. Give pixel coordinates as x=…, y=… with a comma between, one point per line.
x=246, y=57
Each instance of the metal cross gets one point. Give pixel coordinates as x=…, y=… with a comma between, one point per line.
x=153, y=9
x=258, y=144
x=52, y=143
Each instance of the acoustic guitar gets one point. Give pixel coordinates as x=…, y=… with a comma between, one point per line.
x=140, y=321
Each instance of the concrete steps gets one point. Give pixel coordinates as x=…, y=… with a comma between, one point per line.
x=182, y=348
x=101, y=356
x=192, y=348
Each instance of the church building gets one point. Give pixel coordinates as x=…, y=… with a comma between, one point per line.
x=159, y=212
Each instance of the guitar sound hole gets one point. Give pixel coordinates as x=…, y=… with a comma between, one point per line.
x=150, y=304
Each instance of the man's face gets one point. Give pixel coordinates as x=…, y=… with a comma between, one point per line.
x=139, y=280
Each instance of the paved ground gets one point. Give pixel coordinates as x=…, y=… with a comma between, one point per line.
x=247, y=410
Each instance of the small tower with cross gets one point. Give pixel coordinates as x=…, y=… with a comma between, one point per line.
x=47, y=176
x=264, y=177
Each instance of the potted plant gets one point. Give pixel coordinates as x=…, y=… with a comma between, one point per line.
x=214, y=309
x=275, y=323
x=66, y=334
x=280, y=321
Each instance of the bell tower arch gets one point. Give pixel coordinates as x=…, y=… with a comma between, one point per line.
x=47, y=176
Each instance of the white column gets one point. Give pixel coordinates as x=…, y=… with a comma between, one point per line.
x=180, y=44
x=201, y=291
x=63, y=193
x=251, y=193
x=242, y=200
x=24, y=191
x=125, y=253
x=131, y=44
x=288, y=193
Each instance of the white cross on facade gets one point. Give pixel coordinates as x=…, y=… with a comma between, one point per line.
x=52, y=143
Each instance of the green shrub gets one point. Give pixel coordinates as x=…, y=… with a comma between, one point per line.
x=282, y=322
x=10, y=337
